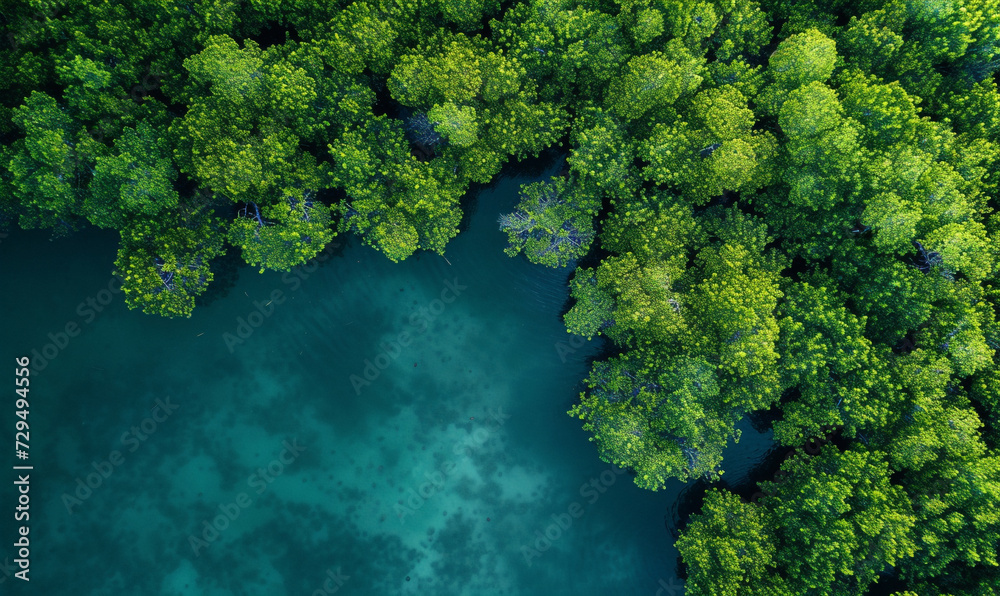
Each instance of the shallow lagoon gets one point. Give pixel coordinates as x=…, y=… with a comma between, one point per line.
x=377, y=428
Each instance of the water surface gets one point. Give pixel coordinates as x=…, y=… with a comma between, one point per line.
x=378, y=428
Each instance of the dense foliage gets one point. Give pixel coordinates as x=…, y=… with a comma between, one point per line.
x=789, y=205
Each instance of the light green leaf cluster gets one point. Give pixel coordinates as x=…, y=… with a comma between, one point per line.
x=553, y=223
x=165, y=267
x=713, y=150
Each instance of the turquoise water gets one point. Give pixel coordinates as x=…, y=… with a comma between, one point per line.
x=377, y=428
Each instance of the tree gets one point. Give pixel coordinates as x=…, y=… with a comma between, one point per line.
x=656, y=227
x=553, y=223
x=661, y=417
x=397, y=203
x=947, y=471
x=468, y=14
x=631, y=304
x=457, y=124
x=602, y=154
x=136, y=180
x=976, y=111
x=841, y=521
x=962, y=248
x=894, y=222
x=822, y=148
x=49, y=172
x=734, y=308
x=285, y=234
x=713, y=150
x=871, y=41
x=451, y=74
x=887, y=113
x=651, y=81
x=729, y=547
x=834, y=368
x=800, y=60
x=254, y=150
x=708, y=345
x=743, y=31
x=356, y=38
x=165, y=263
